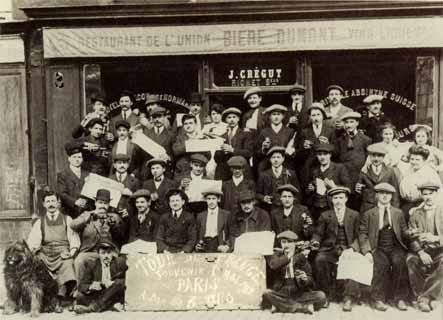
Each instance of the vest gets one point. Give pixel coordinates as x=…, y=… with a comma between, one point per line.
x=341, y=237
x=386, y=239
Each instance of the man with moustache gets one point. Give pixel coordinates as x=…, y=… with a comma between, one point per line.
x=373, y=117
x=195, y=108
x=70, y=182
x=237, y=143
x=213, y=225
x=335, y=110
x=159, y=133
x=296, y=117
x=126, y=102
x=143, y=223
x=130, y=183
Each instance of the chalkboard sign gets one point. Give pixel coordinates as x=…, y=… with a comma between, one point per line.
x=194, y=282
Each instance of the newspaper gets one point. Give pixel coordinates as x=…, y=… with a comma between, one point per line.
x=255, y=243
x=354, y=266
x=94, y=182
x=148, y=145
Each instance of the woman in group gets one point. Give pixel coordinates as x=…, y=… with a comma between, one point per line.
x=216, y=127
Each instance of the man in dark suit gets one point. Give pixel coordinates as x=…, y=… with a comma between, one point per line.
x=126, y=102
x=195, y=108
x=292, y=279
x=337, y=231
x=70, y=182
x=102, y=285
x=297, y=116
x=324, y=176
x=291, y=216
x=373, y=117
x=271, y=179
x=335, y=110
x=177, y=232
x=254, y=118
x=143, y=223
x=237, y=143
x=232, y=188
x=213, y=225
x=351, y=151
x=382, y=236
x=159, y=185
x=374, y=173
x=425, y=262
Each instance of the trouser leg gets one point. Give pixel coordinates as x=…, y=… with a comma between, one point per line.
x=280, y=300
x=416, y=272
x=111, y=295
x=381, y=271
x=400, y=283
x=433, y=285
x=325, y=264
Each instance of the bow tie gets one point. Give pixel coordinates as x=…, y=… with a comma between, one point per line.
x=158, y=179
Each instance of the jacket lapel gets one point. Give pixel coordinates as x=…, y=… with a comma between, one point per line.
x=348, y=224
x=98, y=271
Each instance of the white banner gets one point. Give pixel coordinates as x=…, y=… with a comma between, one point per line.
x=94, y=182
x=243, y=38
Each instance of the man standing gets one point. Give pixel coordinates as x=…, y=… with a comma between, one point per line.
x=373, y=117
x=296, y=118
x=177, y=232
x=425, y=262
x=126, y=102
x=335, y=110
x=292, y=279
x=130, y=183
x=213, y=225
x=102, y=285
x=382, y=234
x=159, y=133
x=70, y=182
x=254, y=119
x=337, y=231
x=56, y=244
x=195, y=108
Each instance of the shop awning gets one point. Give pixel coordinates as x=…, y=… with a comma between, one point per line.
x=243, y=38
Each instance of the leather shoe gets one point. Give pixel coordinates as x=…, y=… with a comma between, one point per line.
x=423, y=306
x=401, y=305
x=380, y=306
x=347, y=305
x=81, y=309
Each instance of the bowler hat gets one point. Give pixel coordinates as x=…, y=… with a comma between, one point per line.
x=288, y=234
x=297, y=88
x=384, y=187
x=250, y=91
x=127, y=93
x=195, y=97
x=103, y=194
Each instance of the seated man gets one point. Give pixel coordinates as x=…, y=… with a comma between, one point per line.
x=337, y=231
x=213, y=225
x=425, y=262
x=177, y=232
x=102, y=285
x=292, y=285
x=56, y=244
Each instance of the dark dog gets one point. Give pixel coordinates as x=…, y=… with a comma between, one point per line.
x=29, y=285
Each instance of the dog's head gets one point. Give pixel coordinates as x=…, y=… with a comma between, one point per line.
x=17, y=255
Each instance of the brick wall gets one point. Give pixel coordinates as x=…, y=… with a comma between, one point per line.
x=10, y=231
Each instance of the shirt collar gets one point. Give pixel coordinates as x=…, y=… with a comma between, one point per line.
x=287, y=211
x=55, y=214
x=277, y=171
x=237, y=181
x=75, y=169
x=277, y=128
x=193, y=176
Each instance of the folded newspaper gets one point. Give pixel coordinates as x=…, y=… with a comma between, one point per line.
x=354, y=266
x=139, y=246
x=93, y=182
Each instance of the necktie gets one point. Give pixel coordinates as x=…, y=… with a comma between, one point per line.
x=386, y=218
x=157, y=131
x=52, y=217
x=175, y=215
x=229, y=135
x=120, y=177
x=124, y=115
x=350, y=142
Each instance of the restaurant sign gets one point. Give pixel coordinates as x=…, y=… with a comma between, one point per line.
x=243, y=38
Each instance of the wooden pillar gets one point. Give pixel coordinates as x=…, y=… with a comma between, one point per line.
x=304, y=76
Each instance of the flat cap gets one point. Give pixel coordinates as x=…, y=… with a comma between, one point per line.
x=429, y=185
x=317, y=106
x=153, y=161
x=237, y=162
x=297, y=88
x=122, y=123
x=335, y=87
x=246, y=195
x=145, y=193
x=198, y=157
x=231, y=110
x=73, y=147
x=351, y=115
x=384, y=187
x=377, y=148
x=121, y=157
x=253, y=90
x=325, y=147
x=373, y=98
x=288, y=234
x=212, y=191
x=274, y=149
x=158, y=110
x=107, y=243
x=152, y=98
x=287, y=187
x=276, y=107
x=338, y=189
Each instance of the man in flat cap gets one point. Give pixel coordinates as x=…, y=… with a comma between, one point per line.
x=239, y=182
x=213, y=224
x=296, y=117
x=144, y=221
x=335, y=110
x=177, y=231
x=93, y=226
x=70, y=181
x=325, y=175
x=237, y=143
x=276, y=176
x=425, y=262
x=292, y=279
x=374, y=173
x=292, y=215
x=254, y=118
x=159, y=185
x=382, y=238
x=276, y=134
x=152, y=103
x=314, y=133
x=352, y=150
x=249, y=218
x=126, y=102
x=102, y=285
x=337, y=231
x=373, y=117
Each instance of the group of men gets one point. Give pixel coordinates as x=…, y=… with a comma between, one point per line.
x=314, y=175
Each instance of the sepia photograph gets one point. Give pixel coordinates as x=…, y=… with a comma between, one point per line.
x=221, y=159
